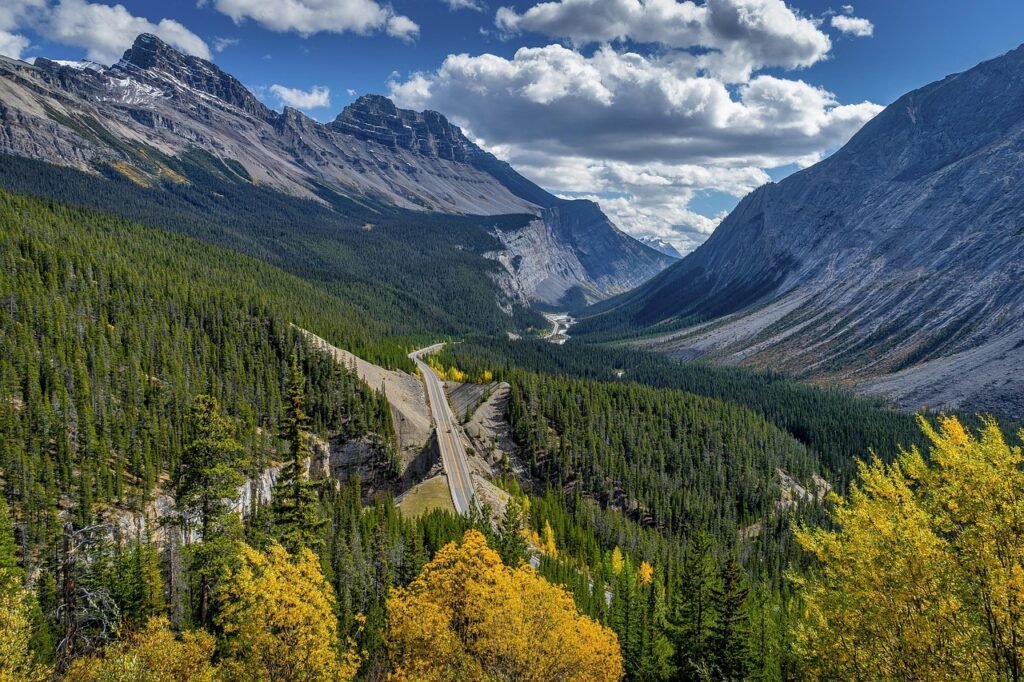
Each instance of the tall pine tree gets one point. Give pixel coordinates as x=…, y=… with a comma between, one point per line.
x=297, y=516
x=208, y=477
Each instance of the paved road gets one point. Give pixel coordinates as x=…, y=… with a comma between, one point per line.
x=453, y=453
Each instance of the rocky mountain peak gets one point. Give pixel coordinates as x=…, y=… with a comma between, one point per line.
x=149, y=52
x=153, y=60
x=377, y=119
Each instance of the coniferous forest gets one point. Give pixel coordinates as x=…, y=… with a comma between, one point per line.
x=169, y=509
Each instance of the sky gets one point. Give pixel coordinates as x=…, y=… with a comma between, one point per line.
x=666, y=112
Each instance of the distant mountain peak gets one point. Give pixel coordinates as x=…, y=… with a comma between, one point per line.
x=378, y=119
x=149, y=51
x=153, y=60
x=660, y=245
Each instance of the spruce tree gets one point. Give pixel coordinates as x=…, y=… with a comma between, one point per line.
x=208, y=477
x=510, y=542
x=692, y=613
x=297, y=516
x=729, y=636
x=8, y=545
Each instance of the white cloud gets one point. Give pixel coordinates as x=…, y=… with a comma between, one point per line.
x=106, y=31
x=12, y=44
x=464, y=4
x=644, y=199
x=652, y=130
x=317, y=96
x=221, y=44
x=15, y=15
x=633, y=108
x=351, y=92
x=741, y=36
x=313, y=16
x=401, y=27
x=855, y=26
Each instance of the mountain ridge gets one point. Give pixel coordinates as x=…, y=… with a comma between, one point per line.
x=157, y=104
x=874, y=267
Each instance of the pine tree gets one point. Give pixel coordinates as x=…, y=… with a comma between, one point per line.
x=297, y=516
x=208, y=477
x=511, y=544
x=728, y=652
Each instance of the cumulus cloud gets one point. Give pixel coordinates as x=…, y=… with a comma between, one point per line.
x=652, y=128
x=402, y=28
x=106, y=31
x=633, y=108
x=313, y=16
x=644, y=199
x=855, y=26
x=464, y=4
x=317, y=96
x=14, y=15
x=12, y=44
x=738, y=36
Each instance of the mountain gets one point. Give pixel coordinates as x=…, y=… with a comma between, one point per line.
x=156, y=108
x=659, y=244
x=897, y=264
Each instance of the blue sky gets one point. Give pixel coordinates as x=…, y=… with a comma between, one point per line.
x=662, y=110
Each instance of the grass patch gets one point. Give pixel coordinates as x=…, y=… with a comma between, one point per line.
x=431, y=494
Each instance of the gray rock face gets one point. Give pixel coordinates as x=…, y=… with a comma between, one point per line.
x=564, y=253
x=897, y=264
x=157, y=101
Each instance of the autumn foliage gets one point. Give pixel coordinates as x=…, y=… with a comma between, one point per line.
x=924, y=577
x=278, y=620
x=469, y=617
x=154, y=654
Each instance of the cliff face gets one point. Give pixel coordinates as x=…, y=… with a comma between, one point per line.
x=897, y=264
x=157, y=102
x=561, y=258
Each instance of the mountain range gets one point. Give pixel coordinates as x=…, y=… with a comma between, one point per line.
x=895, y=265
x=142, y=116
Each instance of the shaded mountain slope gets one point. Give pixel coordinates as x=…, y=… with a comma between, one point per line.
x=902, y=250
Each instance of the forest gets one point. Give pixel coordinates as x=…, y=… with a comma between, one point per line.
x=168, y=511
x=373, y=255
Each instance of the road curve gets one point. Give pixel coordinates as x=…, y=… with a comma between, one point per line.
x=453, y=453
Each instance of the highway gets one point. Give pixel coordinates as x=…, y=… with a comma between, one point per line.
x=453, y=453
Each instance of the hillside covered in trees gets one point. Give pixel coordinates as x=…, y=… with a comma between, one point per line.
x=165, y=512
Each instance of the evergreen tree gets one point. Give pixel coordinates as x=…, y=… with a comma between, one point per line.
x=729, y=654
x=692, y=615
x=296, y=505
x=511, y=544
x=207, y=479
x=8, y=545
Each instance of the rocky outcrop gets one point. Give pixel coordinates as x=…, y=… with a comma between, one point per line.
x=896, y=265
x=571, y=255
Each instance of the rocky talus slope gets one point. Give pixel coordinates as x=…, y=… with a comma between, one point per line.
x=895, y=265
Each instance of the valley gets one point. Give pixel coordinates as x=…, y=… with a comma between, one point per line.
x=351, y=397
x=891, y=267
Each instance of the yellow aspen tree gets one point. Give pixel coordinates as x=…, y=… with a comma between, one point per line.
x=152, y=655
x=618, y=562
x=277, y=615
x=645, y=573
x=469, y=617
x=923, y=576
x=16, y=660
